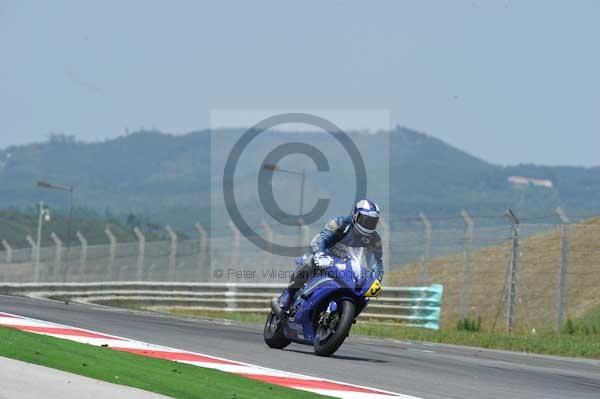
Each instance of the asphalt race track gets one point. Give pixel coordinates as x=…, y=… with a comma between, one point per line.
x=421, y=370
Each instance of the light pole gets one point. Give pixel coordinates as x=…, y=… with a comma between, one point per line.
x=70, y=190
x=43, y=216
x=301, y=173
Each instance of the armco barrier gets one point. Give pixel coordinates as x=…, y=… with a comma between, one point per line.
x=414, y=306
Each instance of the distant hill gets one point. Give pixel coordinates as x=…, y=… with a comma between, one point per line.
x=170, y=177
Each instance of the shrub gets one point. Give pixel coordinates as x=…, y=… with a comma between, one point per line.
x=468, y=324
x=569, y=327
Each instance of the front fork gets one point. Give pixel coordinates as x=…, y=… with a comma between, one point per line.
x=331, y=308
x=329, y=314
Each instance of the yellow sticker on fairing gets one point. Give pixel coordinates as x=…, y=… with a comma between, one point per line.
x=375, y=289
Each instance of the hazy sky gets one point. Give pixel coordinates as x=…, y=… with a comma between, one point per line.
x=509, y=81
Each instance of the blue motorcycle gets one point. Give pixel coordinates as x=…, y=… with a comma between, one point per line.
x=323, y=311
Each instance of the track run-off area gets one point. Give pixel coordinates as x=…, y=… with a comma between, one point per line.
x=390, y=368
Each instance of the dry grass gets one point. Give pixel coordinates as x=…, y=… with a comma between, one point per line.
x=539, y=265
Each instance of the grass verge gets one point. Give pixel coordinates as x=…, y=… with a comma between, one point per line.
x=545, y=342
x=589, y=323
x=165, y=377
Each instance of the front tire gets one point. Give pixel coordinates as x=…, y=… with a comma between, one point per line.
x=330, y=334
x=273, y=333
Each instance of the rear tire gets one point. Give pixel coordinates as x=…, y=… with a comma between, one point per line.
x=327, y=343
x=273, y=333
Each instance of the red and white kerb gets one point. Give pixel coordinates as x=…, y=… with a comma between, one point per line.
x=271, y=376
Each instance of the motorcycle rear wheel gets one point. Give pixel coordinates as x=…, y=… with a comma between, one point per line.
x=273, y=333
x=329, y=338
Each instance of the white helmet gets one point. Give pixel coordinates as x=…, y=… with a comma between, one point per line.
x=365, y=216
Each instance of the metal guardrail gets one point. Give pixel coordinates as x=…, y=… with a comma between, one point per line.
x=414, y=306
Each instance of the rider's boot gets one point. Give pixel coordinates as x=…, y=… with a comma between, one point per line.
x=281, y=306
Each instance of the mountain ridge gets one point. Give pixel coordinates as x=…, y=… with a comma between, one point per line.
x=170, y=177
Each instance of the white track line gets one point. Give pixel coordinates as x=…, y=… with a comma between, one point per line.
x=277, y=377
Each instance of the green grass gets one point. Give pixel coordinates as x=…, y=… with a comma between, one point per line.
x=165, y=377
x=589, y=324
x=544, y=342
x=576, y=345
x=213, y=314
x=592, y=319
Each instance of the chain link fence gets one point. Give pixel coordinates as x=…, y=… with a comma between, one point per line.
x=515, y=275
x=532, y=275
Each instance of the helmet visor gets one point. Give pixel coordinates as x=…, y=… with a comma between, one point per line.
x=367, y=222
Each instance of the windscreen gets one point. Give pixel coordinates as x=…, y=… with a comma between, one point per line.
x=362, y=261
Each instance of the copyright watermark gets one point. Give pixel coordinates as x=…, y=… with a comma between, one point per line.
x=331, y=164
x=252, y=273
x=276, y=274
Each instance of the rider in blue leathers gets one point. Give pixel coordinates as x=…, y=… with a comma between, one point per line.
x=356, y=230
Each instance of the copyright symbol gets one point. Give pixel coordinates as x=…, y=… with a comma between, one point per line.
x=265, y=178
x=218, y=273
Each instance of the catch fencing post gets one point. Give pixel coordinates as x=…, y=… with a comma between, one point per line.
x=33, y=246
x=512, y=276
x=8, y=251
x=269, y=233
x=564, y=266
x=235, y=250
x=172, y=254
x=385, y=237
x=57, y=254
x=305, y=236
x=83, y=255
x=141, y=252
x=8, y=257
x=112, y=253
x=464, y=296
x=203, y=267
x=426, y=247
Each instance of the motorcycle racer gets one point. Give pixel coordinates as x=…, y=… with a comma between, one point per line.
x=355, y=230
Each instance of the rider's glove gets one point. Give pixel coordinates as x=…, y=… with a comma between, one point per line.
x=323, y=261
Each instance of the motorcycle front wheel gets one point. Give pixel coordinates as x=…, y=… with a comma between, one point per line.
x=273, y=333
x=333, y=328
